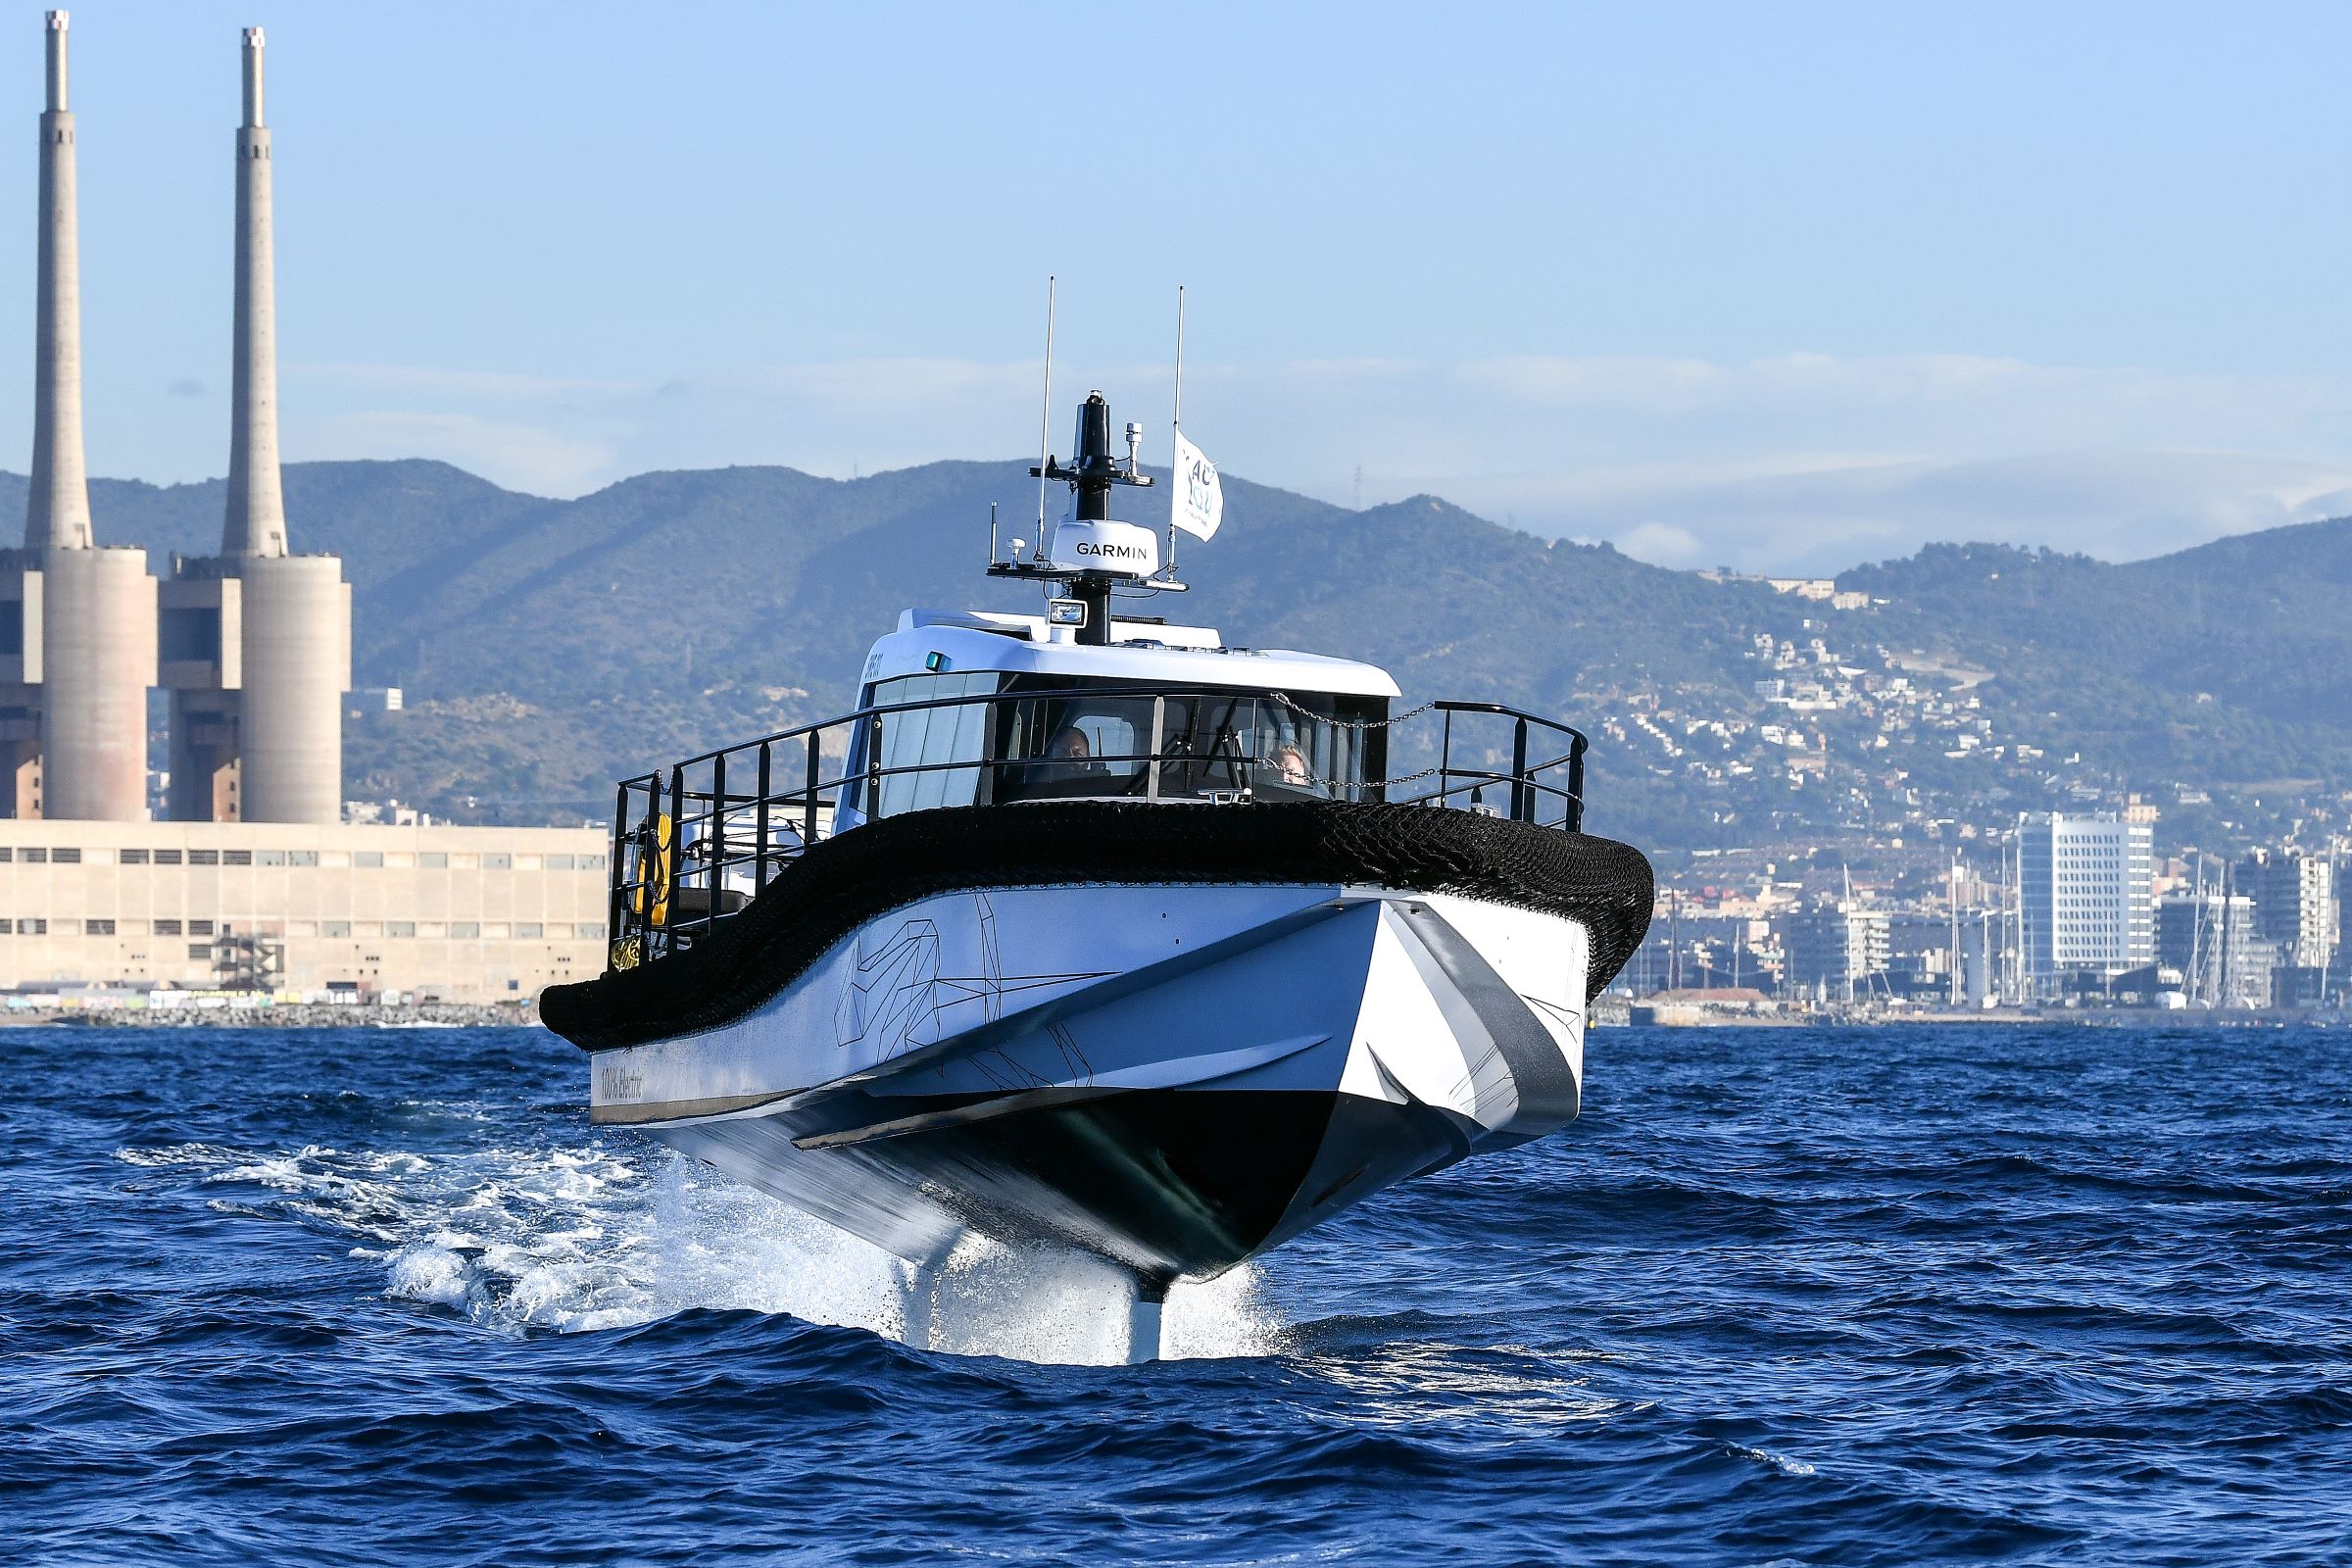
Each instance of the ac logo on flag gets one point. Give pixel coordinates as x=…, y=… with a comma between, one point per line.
x=1198, y=500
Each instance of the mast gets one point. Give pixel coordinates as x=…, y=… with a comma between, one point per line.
x=1846, y=928
x=1674, y=939
x=2195, y=978
x=2328, y=938
x=1953, y=911
x=1090, y=552
x=1091, y=479
x=2228, y=915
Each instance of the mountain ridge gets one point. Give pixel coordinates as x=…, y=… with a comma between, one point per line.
x=551, y=644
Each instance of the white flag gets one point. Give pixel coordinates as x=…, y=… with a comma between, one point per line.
x=1199, y=502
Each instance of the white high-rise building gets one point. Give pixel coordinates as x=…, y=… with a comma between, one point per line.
x=2086, y=894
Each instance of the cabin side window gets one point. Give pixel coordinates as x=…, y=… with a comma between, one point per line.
x=1311, y=746
x=1073, y=748
x=915, y=755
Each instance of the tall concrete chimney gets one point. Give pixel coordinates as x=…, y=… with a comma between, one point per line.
x=98, y=622
x=257, y=507
x=59, y=513
x=258, y=650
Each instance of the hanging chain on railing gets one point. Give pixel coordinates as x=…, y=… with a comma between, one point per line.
x=1295, y=775
x=1282, y=699
x=1357, y=724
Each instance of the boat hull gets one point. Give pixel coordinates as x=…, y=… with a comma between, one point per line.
x=1173, y=1076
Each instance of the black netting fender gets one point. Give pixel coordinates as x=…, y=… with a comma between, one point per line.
x=840, y=884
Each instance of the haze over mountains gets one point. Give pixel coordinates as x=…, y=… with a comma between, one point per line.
x=548, y=647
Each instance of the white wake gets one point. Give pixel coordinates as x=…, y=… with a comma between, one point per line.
x=599, y=1237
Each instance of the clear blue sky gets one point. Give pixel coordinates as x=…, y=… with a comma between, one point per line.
x=1777, y=285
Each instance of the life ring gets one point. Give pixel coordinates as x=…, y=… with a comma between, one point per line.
x=655, y=842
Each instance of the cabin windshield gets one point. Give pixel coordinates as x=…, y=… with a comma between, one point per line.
x=1102, y=739
x=1274, y=746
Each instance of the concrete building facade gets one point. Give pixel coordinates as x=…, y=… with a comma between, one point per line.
x=2086, y=894
x=21, y=648
x=1837, y=952
x=450, y=913
x=2343, y=934
x=2294, y=903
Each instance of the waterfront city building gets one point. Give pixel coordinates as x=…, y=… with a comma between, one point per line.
x=2213, y=941
x=301, y=910
x=1835, y=952
x=2294, y=903
x=258, y=887
x=2086, y=896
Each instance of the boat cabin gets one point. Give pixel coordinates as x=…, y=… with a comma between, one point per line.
x=981, y=709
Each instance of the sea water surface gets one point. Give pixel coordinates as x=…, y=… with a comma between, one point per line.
x=2040, y=1295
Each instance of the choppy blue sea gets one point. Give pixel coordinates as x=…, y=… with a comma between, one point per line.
x=1788, y=1295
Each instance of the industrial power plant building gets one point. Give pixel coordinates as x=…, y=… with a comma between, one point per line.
x=254, y=881
x=447, y=914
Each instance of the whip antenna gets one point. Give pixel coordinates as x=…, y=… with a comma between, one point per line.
x=1175, y=429
x=1045, y=419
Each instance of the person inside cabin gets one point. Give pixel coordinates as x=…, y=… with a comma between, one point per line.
x=1067, y=763
x=1290, y=763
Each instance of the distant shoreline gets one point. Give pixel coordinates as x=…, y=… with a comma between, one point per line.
x=284, y=1015
x=1686, y=1015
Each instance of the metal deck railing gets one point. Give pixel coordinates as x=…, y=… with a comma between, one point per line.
x=694, y=843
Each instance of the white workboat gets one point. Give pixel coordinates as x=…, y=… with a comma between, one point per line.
x=1094, y=932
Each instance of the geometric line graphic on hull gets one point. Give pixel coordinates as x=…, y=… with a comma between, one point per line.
x=895, y=993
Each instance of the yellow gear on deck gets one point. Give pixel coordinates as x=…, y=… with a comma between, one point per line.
x=655, y=841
